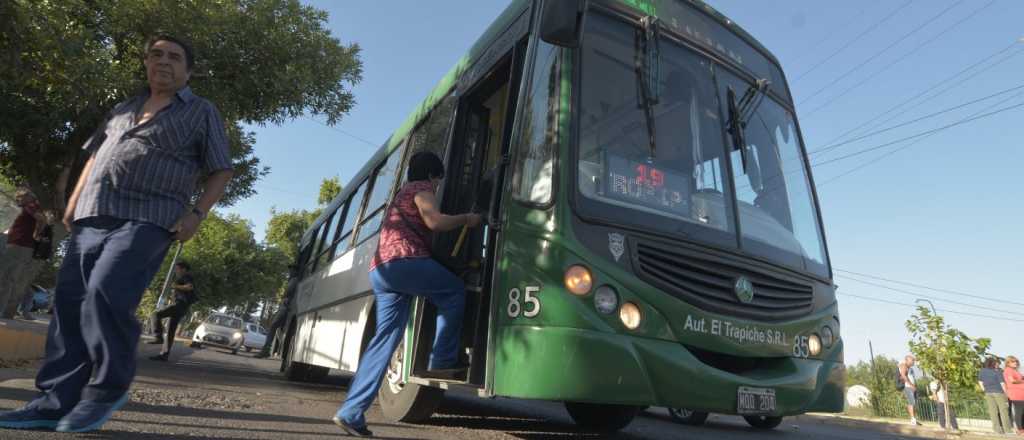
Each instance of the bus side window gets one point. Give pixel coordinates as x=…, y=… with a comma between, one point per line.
x=340, y=223
x=380, y=192
x=534, y=169
x=355, y=202
x=303, y=258
x=321, y=243
x=310, y=262
x=324, y=257
x=433, y=133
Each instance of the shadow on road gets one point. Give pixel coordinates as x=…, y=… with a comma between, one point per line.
x=470, y=414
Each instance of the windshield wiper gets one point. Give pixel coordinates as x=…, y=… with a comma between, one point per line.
x=740, y=112
x=647, y=52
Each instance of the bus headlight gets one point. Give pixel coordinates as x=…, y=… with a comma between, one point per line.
x=629, y=313
x=814, y=344
x=605, y=299
x=236, y=335
x=827, y=337
x=578, y=280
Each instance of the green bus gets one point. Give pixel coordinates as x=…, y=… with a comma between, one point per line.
x=653, y=235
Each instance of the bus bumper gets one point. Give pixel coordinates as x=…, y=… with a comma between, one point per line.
x=568, y=364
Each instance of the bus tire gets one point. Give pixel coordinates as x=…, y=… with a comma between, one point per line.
x=298, y=371
x=402, y=401
x=763, y=422
x=413, y=403
x=688, y=417
x=601, y=417
x=316, y=373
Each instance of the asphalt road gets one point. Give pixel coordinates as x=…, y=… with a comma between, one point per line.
x=212, y=394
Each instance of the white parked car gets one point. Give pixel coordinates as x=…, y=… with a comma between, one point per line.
x=255, y=336
x=220, y=330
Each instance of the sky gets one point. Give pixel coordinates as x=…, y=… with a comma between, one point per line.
x=941, y=211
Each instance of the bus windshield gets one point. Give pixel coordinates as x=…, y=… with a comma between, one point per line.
x=680, y=182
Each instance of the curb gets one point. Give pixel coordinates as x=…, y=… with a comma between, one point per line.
x=22, y=340
x=902, y=428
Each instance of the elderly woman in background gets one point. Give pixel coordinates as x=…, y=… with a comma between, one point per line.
x=991, y=380
x=1015, y=390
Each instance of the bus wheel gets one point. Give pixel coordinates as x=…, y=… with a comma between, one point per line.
x=763, y=422
x=402, y=401
x=316, y=373
x=601, y=417
x=298, y=371
x=688, y=417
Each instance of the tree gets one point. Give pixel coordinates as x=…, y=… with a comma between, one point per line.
x=329, y=189
x=950, y=356
x=64, y=64
x=878, y=377
x=229, y=267
x=285, y=229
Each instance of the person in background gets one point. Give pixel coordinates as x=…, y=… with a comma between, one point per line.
x=184, y=296
x=402, y=268
x=16, y=261
x=136, y=195
x=938, y=396
x=1015, y=390
x=281, y=316
x=990, y=379
x=906, y=370
x=41, y=253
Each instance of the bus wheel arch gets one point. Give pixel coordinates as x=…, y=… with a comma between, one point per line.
x=286, y=345
x=299, y=371
x=601, y=417
x=763, y=422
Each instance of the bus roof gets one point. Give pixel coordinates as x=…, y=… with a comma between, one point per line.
x=500, y=24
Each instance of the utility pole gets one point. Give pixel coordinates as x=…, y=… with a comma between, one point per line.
x=875, y=399
x=167, y=280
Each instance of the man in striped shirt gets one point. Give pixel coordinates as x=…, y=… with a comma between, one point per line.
x=133, y=198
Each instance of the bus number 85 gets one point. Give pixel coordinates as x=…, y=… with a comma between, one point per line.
x=525, y=303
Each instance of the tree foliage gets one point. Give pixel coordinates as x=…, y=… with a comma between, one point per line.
x=948, y=355
x=284, y=230
x=329, y=189
x=229, y=267
x=65, y=64
x=878, y=377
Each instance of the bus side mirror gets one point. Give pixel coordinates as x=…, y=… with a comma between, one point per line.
x=561, y=22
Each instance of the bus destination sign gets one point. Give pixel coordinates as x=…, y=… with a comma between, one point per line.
x=647, y=185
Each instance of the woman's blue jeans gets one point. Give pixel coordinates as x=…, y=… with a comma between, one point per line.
x=394, y=284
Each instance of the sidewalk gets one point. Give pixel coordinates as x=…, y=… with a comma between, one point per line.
x=901, y=426
x=22, y=340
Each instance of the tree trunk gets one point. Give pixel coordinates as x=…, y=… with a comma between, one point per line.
x=948, y=414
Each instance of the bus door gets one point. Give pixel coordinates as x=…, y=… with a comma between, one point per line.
x=475, y=174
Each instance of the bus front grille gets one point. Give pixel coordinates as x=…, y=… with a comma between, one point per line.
x=710, y=285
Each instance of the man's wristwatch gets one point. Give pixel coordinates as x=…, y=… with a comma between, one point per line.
x=199, y=213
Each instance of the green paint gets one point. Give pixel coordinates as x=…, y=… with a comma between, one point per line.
x=645, y=6
x=569, y=351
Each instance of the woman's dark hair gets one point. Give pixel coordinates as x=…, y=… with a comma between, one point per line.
x=424, y=165
x=183, y=265
x=991, y=362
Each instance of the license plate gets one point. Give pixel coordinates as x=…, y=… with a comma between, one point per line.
x=755, y=401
